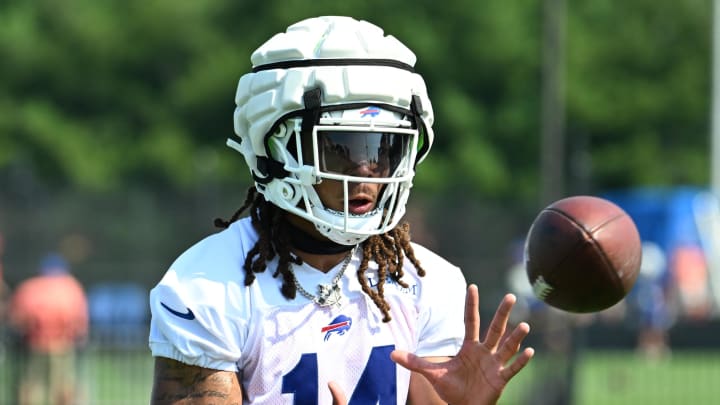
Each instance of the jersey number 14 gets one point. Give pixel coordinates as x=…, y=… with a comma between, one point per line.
x=376, y=385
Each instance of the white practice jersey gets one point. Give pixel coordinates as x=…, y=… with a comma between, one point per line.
x=286, y=351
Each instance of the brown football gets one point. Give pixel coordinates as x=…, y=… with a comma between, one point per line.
x=582, y=254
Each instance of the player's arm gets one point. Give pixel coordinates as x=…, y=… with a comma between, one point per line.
x=176, y=383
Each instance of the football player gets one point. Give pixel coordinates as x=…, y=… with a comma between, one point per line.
x=317, y=295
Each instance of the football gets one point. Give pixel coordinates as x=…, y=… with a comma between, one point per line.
x=582, y=254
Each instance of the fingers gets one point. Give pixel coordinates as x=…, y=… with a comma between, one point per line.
x=338, y=395
x=499, y=322
x=472, y=314
x=512, y=344
x=520, y=362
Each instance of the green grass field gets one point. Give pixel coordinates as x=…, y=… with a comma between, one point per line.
x=625, y=378
x=106, y=377
x=118, y=378
x=600, y=378
x=622, y=378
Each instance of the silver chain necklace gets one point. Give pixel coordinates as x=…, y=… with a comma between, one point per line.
x=328, y=294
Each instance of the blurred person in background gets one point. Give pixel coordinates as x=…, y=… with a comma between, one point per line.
x=653, y=306
x=552, y=331
x=318, y=295
x=4, y=289
x=4, y=297
x=49, y=315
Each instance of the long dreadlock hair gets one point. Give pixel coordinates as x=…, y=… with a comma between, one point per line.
x=388, y=250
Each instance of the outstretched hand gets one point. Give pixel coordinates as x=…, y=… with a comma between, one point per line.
x=479, y=372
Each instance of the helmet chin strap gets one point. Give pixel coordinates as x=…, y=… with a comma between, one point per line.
x=308, y=243
x=313, y=101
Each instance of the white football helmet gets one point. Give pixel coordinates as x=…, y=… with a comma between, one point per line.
x=330, y=93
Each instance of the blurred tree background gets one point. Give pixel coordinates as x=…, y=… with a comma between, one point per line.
x=114, y=114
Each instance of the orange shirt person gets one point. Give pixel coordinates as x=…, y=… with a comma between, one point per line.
x=49, y=312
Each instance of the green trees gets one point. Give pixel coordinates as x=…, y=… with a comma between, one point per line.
x=640, y=90
x=102, y=95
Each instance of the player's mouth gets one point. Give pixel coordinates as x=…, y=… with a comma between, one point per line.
x=360, y=205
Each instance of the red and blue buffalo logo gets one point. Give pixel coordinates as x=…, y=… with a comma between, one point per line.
x=338, y=326
x=371, y=111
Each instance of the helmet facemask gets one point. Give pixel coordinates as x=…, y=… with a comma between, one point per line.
x=363, y=156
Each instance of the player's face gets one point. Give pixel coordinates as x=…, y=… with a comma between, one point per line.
x=360, y=155
x=362, y=197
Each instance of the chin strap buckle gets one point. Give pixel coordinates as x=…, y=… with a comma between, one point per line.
x=270, y=168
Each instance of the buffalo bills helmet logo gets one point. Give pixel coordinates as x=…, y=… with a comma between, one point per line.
x=339, y=326
x=371, y=111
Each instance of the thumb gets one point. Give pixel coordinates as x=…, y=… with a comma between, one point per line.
x=410, y=361
x=338, y=395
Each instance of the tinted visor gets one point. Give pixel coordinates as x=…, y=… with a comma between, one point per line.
x=362, y=154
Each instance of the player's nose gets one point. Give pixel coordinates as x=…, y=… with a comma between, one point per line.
x=365, y=169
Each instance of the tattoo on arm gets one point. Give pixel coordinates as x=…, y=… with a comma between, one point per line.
x=176, y=383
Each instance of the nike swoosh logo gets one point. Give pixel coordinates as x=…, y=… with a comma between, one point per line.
x=184, y=315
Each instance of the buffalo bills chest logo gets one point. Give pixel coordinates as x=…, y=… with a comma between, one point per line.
x=338, y=326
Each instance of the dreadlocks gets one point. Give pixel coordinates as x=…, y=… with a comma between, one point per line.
x=387, y=250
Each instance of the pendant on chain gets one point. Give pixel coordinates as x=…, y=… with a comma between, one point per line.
x=329, y=295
